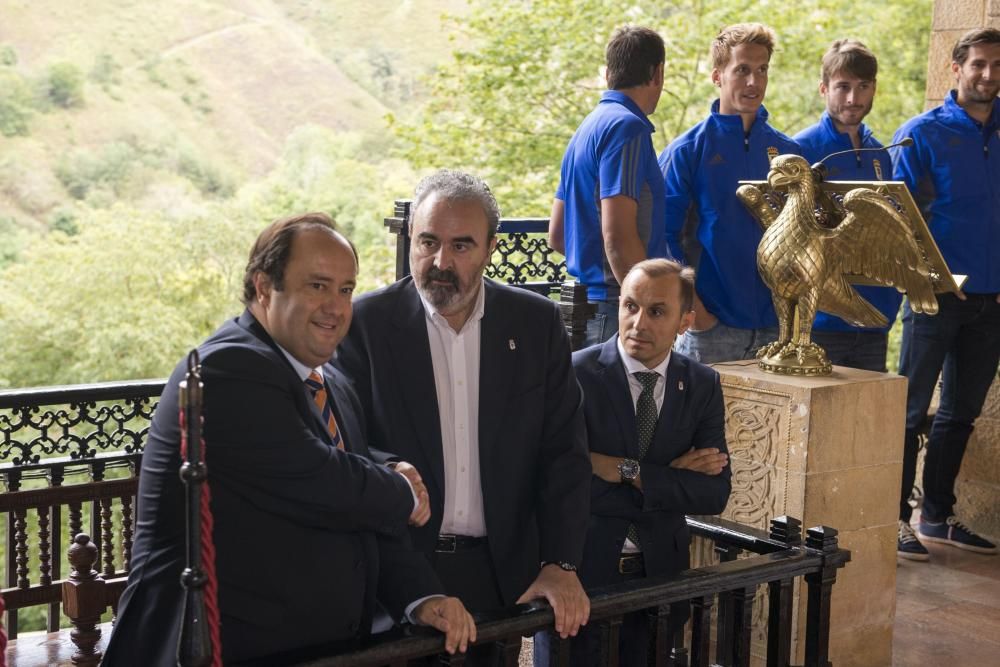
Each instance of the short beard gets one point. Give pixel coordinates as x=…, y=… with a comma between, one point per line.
x=439, y=296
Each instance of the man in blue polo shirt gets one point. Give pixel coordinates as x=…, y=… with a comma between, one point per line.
x=953, y=171
x=608, y=211
x=707, y=226
x=848, y=86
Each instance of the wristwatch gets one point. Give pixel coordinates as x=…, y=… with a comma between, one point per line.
x=562, y=564
x=629, y=470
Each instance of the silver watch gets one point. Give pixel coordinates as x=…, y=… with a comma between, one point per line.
x=629, y=470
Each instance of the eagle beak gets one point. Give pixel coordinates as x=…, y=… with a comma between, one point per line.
x=777, y=178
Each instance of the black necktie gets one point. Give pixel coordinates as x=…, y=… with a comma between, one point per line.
x=645, y=421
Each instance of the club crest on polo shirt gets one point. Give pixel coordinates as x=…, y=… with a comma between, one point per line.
x=772, y=152
x=878, y=169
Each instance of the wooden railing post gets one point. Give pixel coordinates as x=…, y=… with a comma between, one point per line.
x=725, y=623
x=779, y=601
x=701, y=630
x=84, y=601
x=821, y=538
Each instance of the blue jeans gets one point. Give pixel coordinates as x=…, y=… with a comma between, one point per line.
x=604, y=324
x=962, y=344
x=724, y=343
x=854, y=349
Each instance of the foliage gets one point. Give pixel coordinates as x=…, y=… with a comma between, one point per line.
x=106, y=71
x=134, y=288
x=15, y=103
x=63, y=85
x=8, y=56
x=507, y=103
x=125, y=169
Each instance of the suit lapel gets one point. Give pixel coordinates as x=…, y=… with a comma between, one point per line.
x=413, y=370
x=674, y=395
x=618, y=395
x=498, y=361
x=347, y=424
x=307, y=408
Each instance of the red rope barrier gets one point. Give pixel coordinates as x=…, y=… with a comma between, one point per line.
x=207, y=556
x=3, y=638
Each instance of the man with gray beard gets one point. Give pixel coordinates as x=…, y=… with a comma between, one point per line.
x=471, y=382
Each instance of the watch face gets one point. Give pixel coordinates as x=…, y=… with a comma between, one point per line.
x=629, y=469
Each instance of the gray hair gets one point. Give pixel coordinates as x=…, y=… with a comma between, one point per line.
x=453, y=185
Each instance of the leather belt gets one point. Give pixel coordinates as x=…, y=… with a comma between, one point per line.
x=449, y=544
x=631, y=564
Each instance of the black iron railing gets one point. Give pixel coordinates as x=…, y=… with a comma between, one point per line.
x=772, y=559
x=69, y=457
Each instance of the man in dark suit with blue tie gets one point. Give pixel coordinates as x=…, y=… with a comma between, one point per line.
x=308, y=531
x=655, y=426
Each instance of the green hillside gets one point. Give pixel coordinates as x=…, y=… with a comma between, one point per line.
x=196, y=92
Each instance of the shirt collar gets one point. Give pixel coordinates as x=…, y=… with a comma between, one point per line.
x=301, y=369
x=737, y=119
x=955, y=110
x=636, y=366
x=843, y=137
x=621, y=98
x=437, y=319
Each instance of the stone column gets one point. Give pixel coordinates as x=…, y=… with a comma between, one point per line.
x=829, y=451
x=978, y=484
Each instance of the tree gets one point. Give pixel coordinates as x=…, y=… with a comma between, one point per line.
x=64, y=85
x=506, y=105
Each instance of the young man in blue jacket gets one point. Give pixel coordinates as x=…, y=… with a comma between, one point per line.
x=953, y=171
x=848, y=87
x=708, y=228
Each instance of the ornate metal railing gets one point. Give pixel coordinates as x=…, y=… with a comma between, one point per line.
x=773, y=560
x=69, y=457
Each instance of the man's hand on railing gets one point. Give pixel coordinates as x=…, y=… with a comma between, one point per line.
x=707, y=460
x=450, y=617
x=562, y=589
x=422, y=512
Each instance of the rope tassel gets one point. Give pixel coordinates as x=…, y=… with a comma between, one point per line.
x=200, y=642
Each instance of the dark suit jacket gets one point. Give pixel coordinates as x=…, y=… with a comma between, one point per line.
x=305, y=534
x=690, y=417
x=534, y=466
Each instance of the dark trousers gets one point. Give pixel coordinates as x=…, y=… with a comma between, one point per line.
x=855, y=349
x=962, y=344
x=604, y=324
x=469, y=575
x=633, y=637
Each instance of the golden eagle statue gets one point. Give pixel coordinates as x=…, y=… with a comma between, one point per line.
x=809, y=265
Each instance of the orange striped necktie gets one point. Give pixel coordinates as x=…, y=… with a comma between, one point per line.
x=318, y=390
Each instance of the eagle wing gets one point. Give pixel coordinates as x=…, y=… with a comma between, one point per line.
x=757, y=204
x=875, y=241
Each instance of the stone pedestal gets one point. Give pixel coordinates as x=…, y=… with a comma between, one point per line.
x=829, y=451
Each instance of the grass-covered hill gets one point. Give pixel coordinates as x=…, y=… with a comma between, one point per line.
x=112, y=100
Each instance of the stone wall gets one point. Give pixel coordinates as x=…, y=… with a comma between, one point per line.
x=978, y=487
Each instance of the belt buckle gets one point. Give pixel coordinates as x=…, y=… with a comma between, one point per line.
x=629, y=564
x=446, y=544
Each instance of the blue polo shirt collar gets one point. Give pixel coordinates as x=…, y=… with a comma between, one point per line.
x=619, y=97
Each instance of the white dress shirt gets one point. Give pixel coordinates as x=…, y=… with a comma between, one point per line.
x=633, y=366
x=455, y=357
